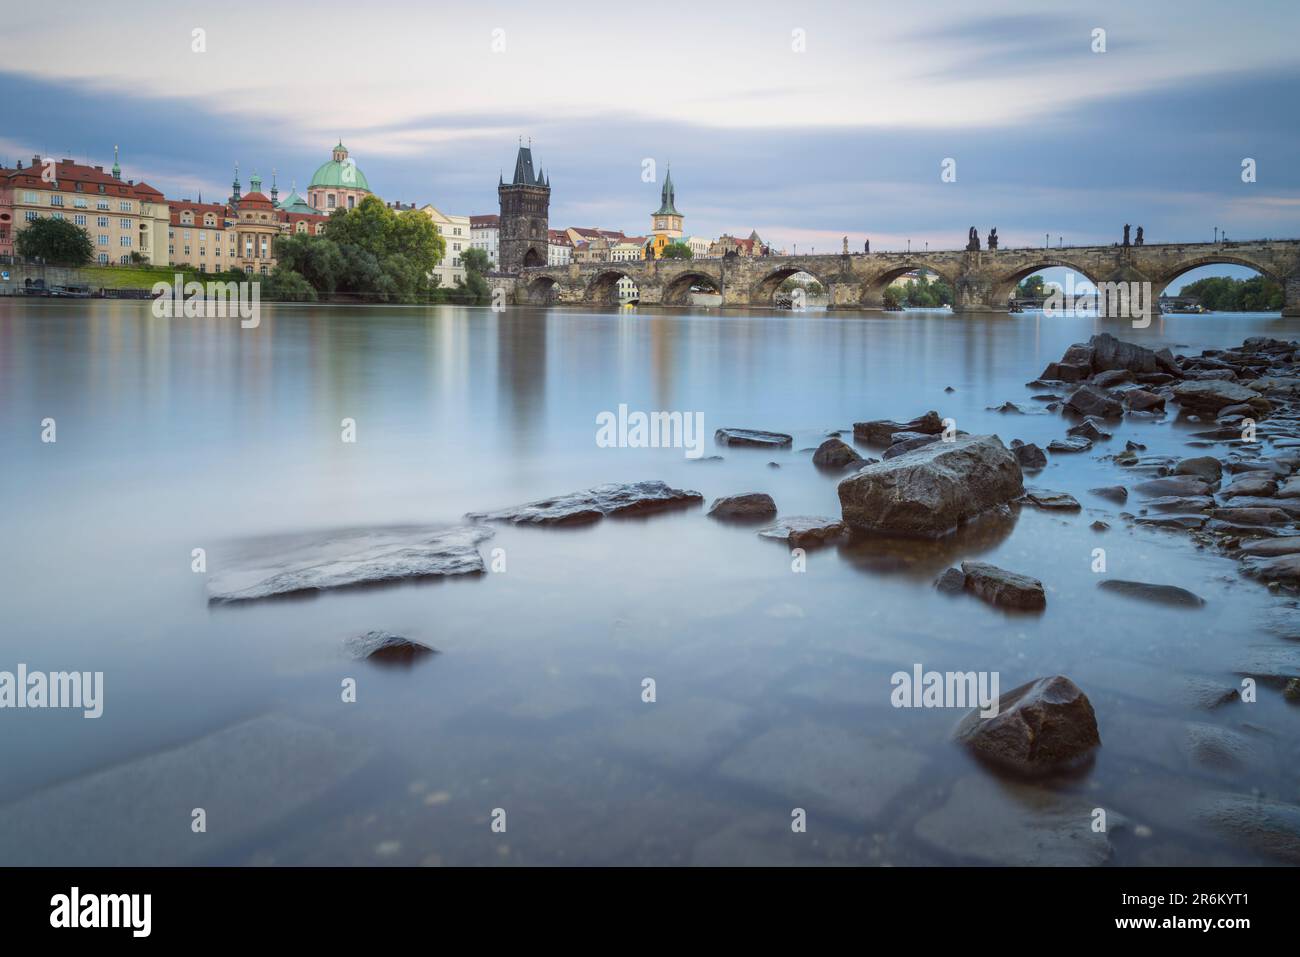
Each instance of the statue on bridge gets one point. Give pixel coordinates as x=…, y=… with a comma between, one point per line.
x=1138, y=240
x=846, y=245
x=1126, y=227
x=866, y=246
x=973, y=241
x=993, y=238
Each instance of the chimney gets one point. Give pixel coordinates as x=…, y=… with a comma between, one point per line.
x=36, y=160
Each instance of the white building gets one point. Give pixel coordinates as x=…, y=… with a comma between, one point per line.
x=559, y=247
x=628, y=249
x=455, y=232
x=699, y=246
x=485, y=234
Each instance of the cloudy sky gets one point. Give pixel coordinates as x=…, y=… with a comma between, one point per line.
x=804, y=121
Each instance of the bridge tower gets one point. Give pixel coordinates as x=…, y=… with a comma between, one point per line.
x=525, y=215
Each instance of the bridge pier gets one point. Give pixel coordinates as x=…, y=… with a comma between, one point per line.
x=1291, y=297
x=975, y=295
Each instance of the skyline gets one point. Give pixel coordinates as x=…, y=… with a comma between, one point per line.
x=1049, y=137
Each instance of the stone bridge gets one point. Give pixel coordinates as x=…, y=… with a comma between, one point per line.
x=982, y=281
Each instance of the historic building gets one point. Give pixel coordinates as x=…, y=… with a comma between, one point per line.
x=455, y=232
x=666, y=221
x=728, y=245
x=559, y=248
x=337, y=184
x=485, y=234
x=121, y=218
x=525, y=215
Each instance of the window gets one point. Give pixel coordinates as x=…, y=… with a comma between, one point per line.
x=124, y=205
x=103, y=239
x=203, y=250
x=186, y=234
x=264, y=271
x=203, y=236
x=171, y=252
x=352, y=202
x=124, y=260
x=101, y=204
x=329, y=201
x=29, y=197
x=32, y=215
x=124, y=241
x=56, y=199
x=79, y=201
x=79, y=219
x=56, y=215
x=124, y=223
x=102, y=222
x=187, y=250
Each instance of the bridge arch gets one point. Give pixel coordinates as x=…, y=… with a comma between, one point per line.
x=1161, y=280
x=1004, y=284
x=763, y=292
x=677, y=292
x=872, y=293
x=602, y=288
x=542, y=291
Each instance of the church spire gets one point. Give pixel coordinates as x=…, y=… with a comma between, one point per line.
x=117, y=170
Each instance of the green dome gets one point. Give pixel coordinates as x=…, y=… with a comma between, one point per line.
x=340, y=173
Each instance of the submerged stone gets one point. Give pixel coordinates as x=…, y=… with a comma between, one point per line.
x=753, y=437
x=591, y=505
x=1042, y=727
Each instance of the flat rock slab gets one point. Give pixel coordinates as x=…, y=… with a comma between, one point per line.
x=1075, y=443
x=1002, y=588
x=1146, y=591
x=1211, y=395
x=1281, y=568
x=1272, y=547
x=593, y=504
x=805, y=531
x=753, y=437
x=1113, y=493
x=1269, y=827
x=361, y=558
x=826, y=768
x=248, y=777
x=1015, y=824
x=881, y=431
x=1053, y=501
x=1172, y=485
x=1252, y=515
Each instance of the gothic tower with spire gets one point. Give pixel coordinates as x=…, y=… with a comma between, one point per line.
x=666, y=220
x=525, y=215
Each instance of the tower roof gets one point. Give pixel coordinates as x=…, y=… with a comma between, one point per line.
x=524, y=175
x=667, y=197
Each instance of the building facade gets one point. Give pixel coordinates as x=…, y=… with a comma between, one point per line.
x=455, y=232
x=559, y=248
x=525, y=215
x=666, y=221
x=121, y=218
x=485, y=234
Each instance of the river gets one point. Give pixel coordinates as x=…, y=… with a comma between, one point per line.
x=772, y=687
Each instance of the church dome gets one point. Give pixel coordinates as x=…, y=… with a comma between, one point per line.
x=340, y=172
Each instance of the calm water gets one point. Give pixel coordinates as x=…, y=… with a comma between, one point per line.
x=772, y=686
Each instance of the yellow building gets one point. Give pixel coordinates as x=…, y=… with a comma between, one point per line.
x=121, y=218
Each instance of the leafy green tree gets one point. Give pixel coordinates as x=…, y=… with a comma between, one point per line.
x=285, y=285
x=474, y=288
x=1225, y=294
x=677, y=251
x=56, y=241
x=1033, y=287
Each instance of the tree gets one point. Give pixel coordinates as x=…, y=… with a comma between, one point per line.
x=285, y=285
x=1225, y=294
x=1032, y=287
x=677, y=251
x=55, y=241
x=473, y=289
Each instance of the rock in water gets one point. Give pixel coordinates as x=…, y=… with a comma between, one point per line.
x=360, y=558
x=749, y=507
x=951, y=582
x=590, y=505
x=1042, y=727
x=997, y=586
x=1114, y=493
x=1089, y=400
x=1111, y=353
x=881, y=431
x=1029, y=455
x=1208, y=396
x=805, y=531
x=1162, y=594
x=836, y=454
x=387, y=649
x=753, y=437
x=1058, y=501
x=1087, y=429
x=932, y=490
x=1075, y=443
x=1205, y=467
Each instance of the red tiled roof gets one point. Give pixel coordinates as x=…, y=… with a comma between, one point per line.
x=256, y=200
x=68, y=174
x=558, y=237
x=488, y=219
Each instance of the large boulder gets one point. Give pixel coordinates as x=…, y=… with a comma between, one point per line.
x=932, y=490
x=835, y=453
x=1111, y=353
x=1042, y=727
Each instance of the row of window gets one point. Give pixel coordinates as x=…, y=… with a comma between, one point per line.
x=123, y=205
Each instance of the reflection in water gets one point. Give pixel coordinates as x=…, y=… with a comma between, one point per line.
x=773, y=682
